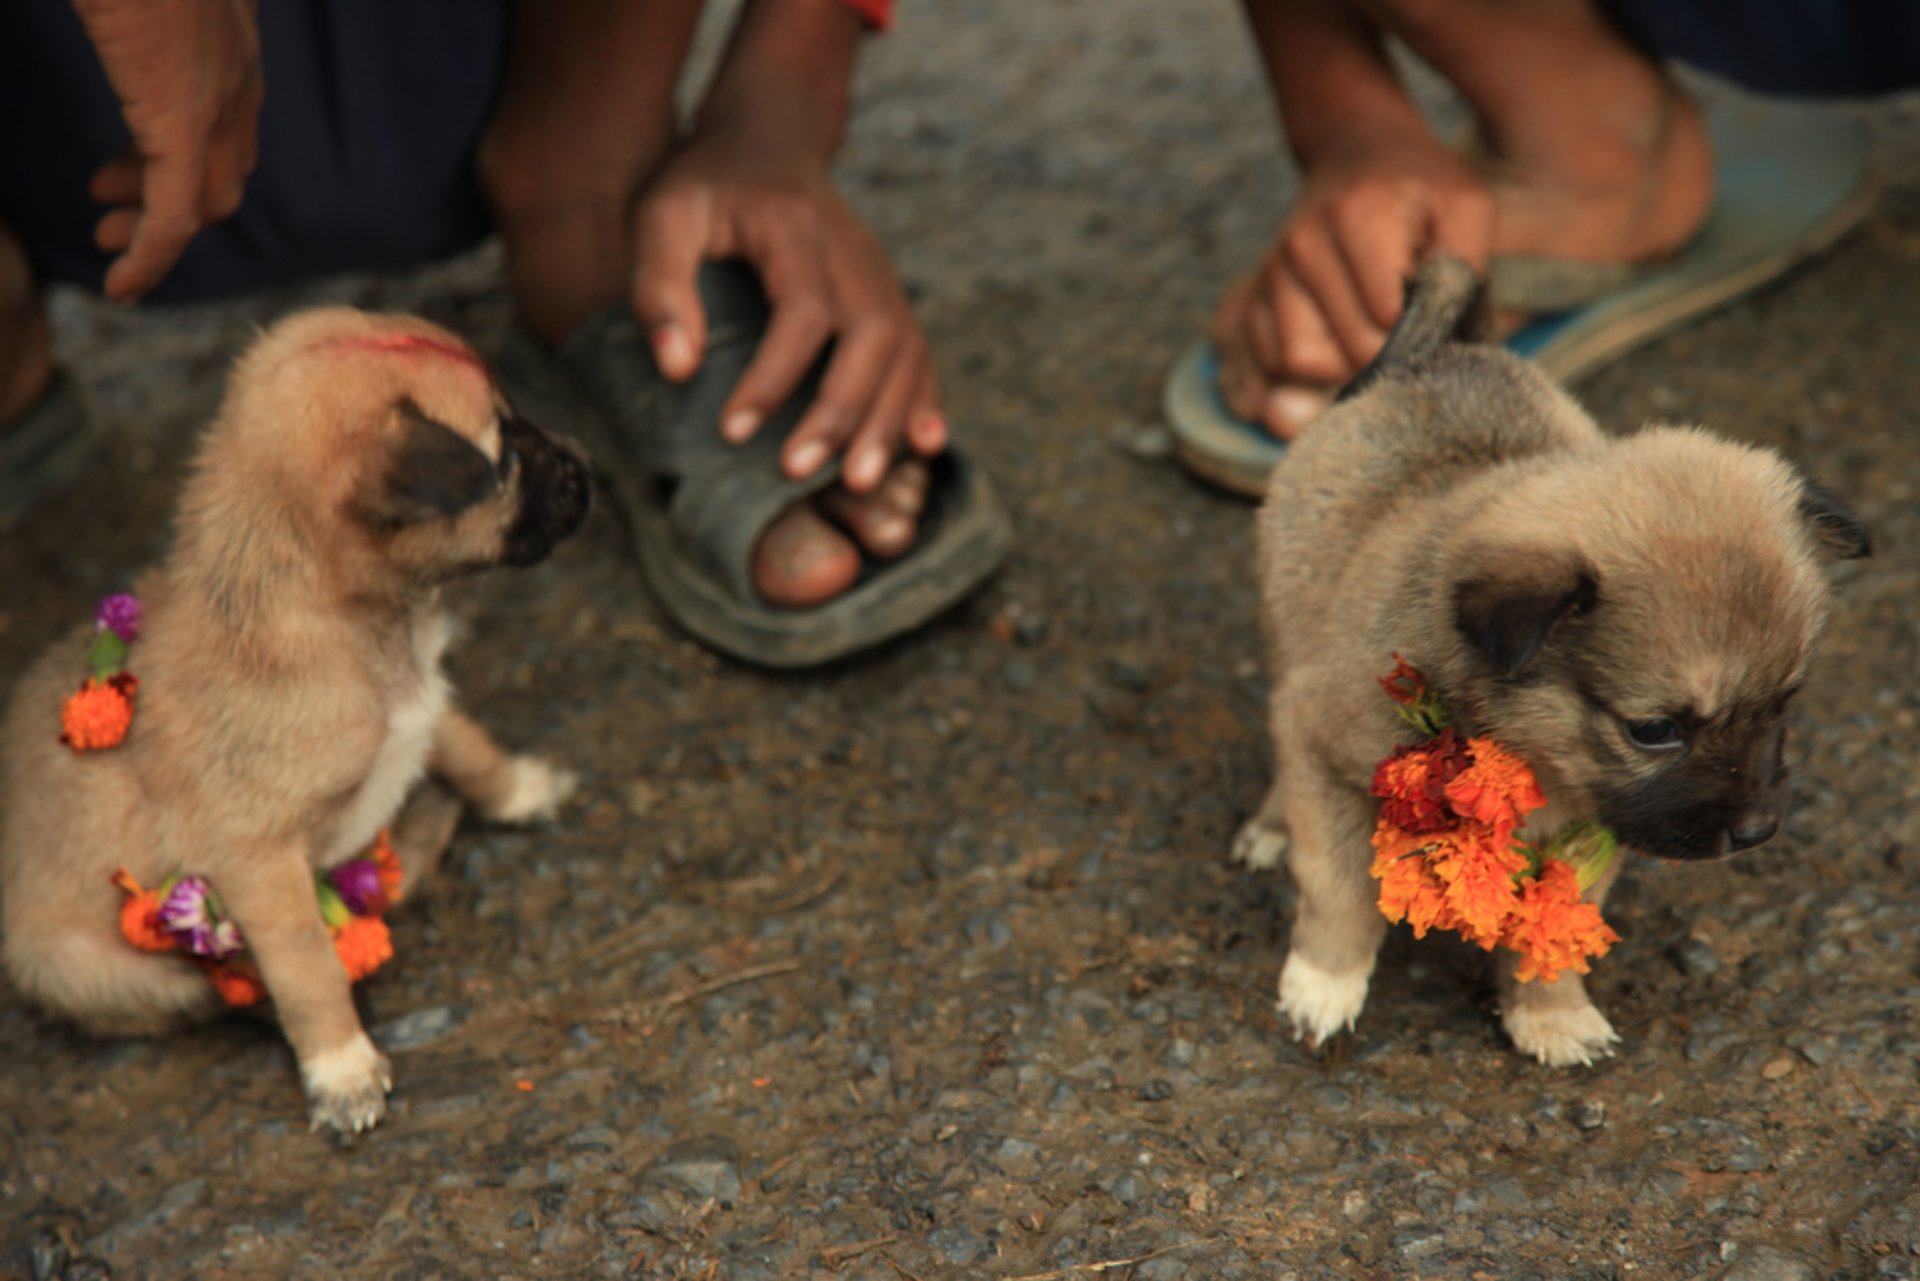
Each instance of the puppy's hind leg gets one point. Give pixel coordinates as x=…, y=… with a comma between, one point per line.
x=104, y=984
x=503, y=787
x=1557, y=1022
x=1262, y=839
x=1338, y=927
x=422, y=832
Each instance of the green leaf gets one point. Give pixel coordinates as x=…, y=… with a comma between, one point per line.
x=333, y=908
x=107, y=656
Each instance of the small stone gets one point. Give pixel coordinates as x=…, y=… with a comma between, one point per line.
x=1018, y=675
x=1149, y=442
x=1590, y=1114
x=1693, y=957
x=707, y=1167
x=1128, y=1189
x=1134, y=675
x=421, y=1027
x=642, y=1212
x=1031, y=629
x=1765, y=1263
x=1777, y=1068
x=520, y=1219
x=1158, y=1090
x=958, y=1245
x=47, y=1255
x=1418, y=1242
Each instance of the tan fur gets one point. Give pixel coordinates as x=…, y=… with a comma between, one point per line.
x=1464, y=478
x=290, y=700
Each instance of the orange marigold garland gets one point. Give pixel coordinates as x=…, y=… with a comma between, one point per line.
x=100, y=712
x=1444, y=850
x=183, y=914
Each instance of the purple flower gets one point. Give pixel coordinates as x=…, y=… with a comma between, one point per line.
x=120, y=614
x=187, y=914
x=358, y=882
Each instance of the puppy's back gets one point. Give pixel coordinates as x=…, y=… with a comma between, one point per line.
x=1430, y=414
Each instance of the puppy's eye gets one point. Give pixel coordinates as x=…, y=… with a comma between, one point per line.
x=1660, y=732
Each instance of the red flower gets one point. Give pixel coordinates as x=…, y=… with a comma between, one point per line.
x=1412, y=783
x=237, y=987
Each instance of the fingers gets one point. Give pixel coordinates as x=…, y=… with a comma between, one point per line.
x=673, y=235
x=1319, y=282
x=168, y=218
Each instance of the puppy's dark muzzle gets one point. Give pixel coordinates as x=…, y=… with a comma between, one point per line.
x=556, y=490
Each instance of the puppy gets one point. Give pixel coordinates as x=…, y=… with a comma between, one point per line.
x=1628, y=615
x=290, y=691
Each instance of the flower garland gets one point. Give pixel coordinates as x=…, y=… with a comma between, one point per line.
x=99, y=713
x=1445, y=853
x=184, y=914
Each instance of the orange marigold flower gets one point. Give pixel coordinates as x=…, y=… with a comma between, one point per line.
x=1552, y=929
x=140, y=915
x=97, y=714
x=1409, y=891
x=1412, y=782
x=363, y=945
x=389, y=865
x=237, y=987
x=1476, y=869
x=1496, y=788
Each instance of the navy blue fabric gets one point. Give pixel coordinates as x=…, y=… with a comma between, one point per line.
x=1819, y=48
x=373, y=111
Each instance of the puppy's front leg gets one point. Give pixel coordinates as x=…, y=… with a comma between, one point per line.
x=272, y=901
x=1557, y=1022
x=502, y=786
x=1338, y=927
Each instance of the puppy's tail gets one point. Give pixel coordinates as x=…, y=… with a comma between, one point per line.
x=1445, y=303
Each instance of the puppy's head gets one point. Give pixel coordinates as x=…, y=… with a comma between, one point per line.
x=1634, y=625
x=385, y=441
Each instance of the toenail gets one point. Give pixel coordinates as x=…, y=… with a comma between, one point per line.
x=1295, y=407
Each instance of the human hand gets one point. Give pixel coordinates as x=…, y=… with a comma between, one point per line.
x=758, y=194
x=1319, y=305
x=188, y=76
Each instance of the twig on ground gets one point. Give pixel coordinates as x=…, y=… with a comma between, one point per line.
x=895, y=1264
x=1108, y=1265
x=637, y=1010
x=834, y=1255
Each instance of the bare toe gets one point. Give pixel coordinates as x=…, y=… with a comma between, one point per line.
x=887, y=520
x=803, y=560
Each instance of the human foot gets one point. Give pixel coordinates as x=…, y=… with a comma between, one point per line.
x=812, y=553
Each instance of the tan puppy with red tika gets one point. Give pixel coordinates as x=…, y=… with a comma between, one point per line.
x=290, y=694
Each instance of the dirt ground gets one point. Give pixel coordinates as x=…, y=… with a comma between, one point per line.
x=931, y=965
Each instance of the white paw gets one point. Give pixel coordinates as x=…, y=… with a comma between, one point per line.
x=1560, y=1035
x=1258, y=846
x=347, y=1086
x=1318, y=1002
x=539, y=789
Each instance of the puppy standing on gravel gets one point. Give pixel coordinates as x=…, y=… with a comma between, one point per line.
x=1627, y=615
x=290, y=692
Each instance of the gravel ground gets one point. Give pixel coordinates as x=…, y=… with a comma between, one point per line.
x=932, y=966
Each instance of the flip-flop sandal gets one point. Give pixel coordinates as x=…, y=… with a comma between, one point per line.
x=1790, y=181
x=46, y=448
x=696, y=506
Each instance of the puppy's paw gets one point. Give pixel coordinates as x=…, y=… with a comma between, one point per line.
x=538, y=790
x=1258, y=846
x=347, y=1086
x=1318, y=1002
x=1560, y=1035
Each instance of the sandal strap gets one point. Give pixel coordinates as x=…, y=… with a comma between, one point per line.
x=723, y=495
x=1542, y=285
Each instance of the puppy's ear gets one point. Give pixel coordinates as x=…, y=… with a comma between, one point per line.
x=1835, y=528
x=432, y=471
x=1507, y=613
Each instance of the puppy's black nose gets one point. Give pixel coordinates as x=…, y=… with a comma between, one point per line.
x=1749, y=832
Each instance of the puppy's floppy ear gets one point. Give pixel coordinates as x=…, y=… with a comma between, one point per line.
x=1506, y=612
x=1835, y=528
x=431, y=471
